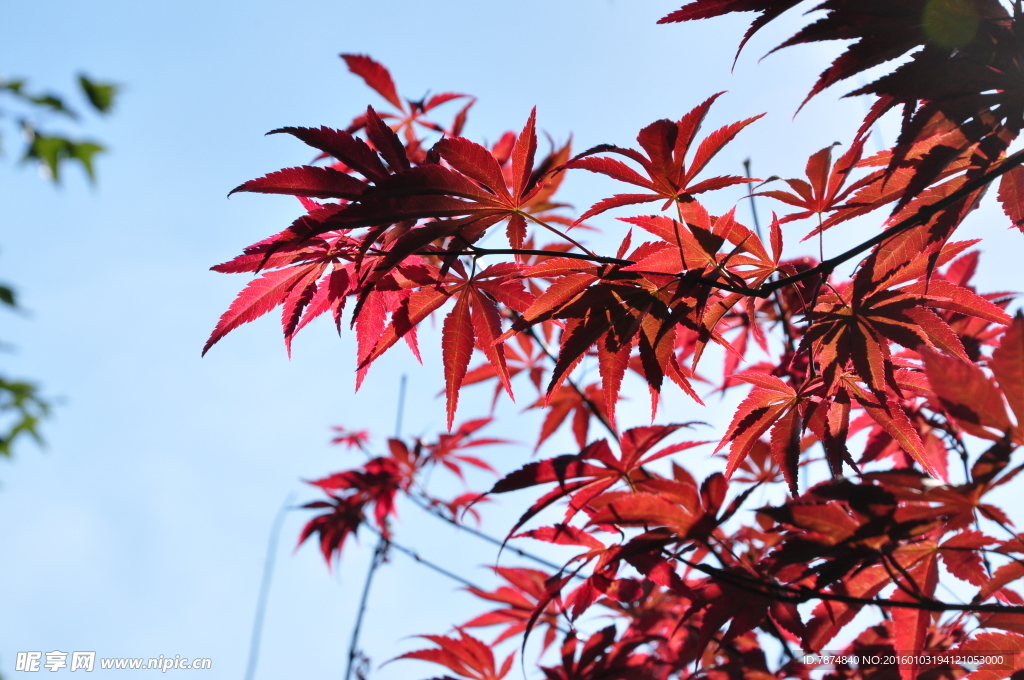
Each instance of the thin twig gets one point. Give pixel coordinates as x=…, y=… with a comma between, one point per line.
x=586, y=400
x=774, y=631
x=424, y=504
x=379, y=554
x=268, y=575
x=441, y=570
x=750, y=195
x=479, y=534
x=401, y=406
x=378, y=558
x=427, y=563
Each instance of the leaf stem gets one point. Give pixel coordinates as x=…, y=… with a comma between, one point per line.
x=557, y=232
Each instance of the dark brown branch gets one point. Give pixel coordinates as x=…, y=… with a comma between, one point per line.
x=826, y=267
x=920, y=217
x=476, y=251
x=797, y=595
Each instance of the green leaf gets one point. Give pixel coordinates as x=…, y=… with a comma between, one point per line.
x=52, y=102
x=22, y=400
x=13, y=86
x=100, y=95
x=7, y=296
x=48, y=100
x=83, y=153
x=52, y=150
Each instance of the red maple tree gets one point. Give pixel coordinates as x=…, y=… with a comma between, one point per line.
x=905, y=358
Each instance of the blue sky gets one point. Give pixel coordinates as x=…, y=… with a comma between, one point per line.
x=141, y=529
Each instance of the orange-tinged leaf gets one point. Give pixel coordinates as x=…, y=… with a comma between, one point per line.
x=829, y=617
x=764, y=406
x=1008, y=365
x=894, y=420
x=256, y=299
x=910, y=626
x=967, y=393
x=637, y=441
x=1011, y=621
x=563, y=534
x=947, y=295
x=709, y=148
x=456, y=350
x=523, y=155
x=938, y=331
x=516, y=231
x=1011, y=196
x=641, y=509
x=994, y=645
x=1008, y=573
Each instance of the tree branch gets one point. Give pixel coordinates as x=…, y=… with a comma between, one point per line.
x=826, y=267
x=439, y=569
x=379, y=554
x=920, y=217
x=479, y=534
x=797, y=595
x=477, y=251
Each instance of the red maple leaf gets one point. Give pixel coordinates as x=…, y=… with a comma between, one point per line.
x=670, y=178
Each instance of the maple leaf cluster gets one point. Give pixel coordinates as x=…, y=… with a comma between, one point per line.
x=890, y=378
